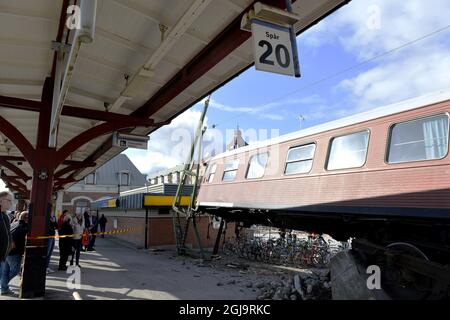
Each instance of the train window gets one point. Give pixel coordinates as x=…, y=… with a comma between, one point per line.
x=257, y=166
x=206, y=174
x=211, y=173
x=300, y=159
x=230, y=170
x=421, y=139
x=348, y=151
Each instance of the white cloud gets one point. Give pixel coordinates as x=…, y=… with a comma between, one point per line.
x=259, y=111
x=416, y=69
x=168, y=146
x=399, y=22
x=423, y=71
x=313, y=102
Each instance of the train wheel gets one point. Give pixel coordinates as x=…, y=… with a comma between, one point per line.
x=402, y=283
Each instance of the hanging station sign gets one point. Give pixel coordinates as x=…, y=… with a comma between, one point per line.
x=272, y=48
x=274, y=40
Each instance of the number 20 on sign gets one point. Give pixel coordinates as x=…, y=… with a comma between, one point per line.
x=272, y=48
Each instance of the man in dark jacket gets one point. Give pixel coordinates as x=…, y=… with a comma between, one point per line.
x=5, y=235
x=93, y=230
x=11, y=267
x=65, y=243
x=102, y=222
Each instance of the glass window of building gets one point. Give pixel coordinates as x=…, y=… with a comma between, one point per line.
x=124, y=178
x=90, y=179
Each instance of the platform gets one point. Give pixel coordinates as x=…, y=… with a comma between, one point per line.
x=117, y=272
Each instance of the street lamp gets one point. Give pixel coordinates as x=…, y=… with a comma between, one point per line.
x=301, y=118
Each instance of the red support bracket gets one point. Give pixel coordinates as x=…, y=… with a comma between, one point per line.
x=76, y=112
x=22, y=175
x=65, y=151
x=61, y=182
x=132, y=121
x=13, y=180
x=18, y=139
x=74, y=167
x=19, y=159
x=20, y=104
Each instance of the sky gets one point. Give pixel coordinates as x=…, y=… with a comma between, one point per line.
x=368, y=54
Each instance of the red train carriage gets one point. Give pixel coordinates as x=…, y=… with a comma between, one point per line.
x=382, y=175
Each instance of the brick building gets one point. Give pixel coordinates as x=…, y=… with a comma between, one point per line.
x=152, y=206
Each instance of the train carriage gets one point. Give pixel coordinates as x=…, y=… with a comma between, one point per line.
x=382, y=174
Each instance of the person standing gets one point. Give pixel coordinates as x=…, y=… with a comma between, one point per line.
x=102, y=222
x=93, y=231
x=65, y=243
x=11, y=267
x=53, y=226
x=61, y=219
x=5, y=234
x=87, y=219
x=87, y=228
x=78, y=228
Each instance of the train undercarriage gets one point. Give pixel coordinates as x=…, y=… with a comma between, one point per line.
x=413, y=253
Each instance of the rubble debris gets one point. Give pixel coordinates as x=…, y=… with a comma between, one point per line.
x=298, y=286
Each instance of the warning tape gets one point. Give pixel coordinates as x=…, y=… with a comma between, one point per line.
x=118, y=231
